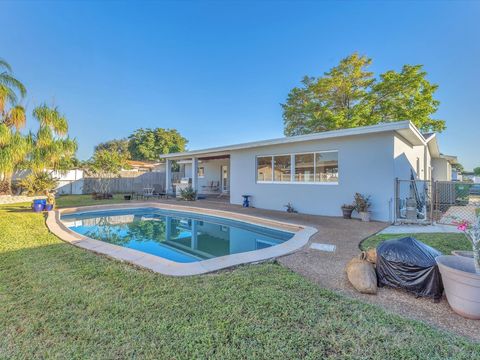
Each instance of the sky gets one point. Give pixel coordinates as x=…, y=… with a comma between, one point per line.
x=218, y=70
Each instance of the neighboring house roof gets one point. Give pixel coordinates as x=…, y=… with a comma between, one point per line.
x=450, y=158
x=405, y=128
x=135, y=164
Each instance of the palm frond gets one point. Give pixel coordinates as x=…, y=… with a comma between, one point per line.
x=16, y=117
x=5, y=65
x=12, y=83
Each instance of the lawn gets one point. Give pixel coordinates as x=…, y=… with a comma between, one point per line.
x=85, y=200
x=443, y=242
x=59, y=301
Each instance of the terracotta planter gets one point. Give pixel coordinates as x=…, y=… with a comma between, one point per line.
x=365, y=216
x=462, y=284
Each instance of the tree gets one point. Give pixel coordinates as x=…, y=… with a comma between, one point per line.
x=349, y=96
x=149, y=144
x=476, y=171
x=458, y=167
x=105, y=165
x=13, y=145
x=52, y=148
x=116, y=145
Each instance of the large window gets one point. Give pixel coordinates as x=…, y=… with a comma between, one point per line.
x=305, y=168
x=326, y=167
x=282, y=168
x=264, y=168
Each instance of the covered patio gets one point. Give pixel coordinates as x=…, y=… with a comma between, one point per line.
x=207, y=174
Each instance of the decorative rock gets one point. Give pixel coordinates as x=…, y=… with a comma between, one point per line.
x=361, y=275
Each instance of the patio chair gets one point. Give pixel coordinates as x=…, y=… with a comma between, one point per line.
x=148, y=192
x=159, y=191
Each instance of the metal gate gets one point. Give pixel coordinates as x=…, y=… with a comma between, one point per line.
x=413, y=201
x=443, y=202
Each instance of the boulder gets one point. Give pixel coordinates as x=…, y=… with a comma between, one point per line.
x=361, y=275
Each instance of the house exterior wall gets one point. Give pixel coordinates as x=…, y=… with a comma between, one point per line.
x=365, y=165
x=442, y=170
x=408, y=158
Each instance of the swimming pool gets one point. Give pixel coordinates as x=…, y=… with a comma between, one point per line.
x=177, y=236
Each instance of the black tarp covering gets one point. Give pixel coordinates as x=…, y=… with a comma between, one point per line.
x=409, y=264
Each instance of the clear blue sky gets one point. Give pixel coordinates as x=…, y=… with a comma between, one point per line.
x=217, y=71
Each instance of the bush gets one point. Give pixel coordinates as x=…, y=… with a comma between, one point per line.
x=38, y=183
x=362, y=202
x=188, y=194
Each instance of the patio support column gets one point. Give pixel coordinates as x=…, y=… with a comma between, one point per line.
x=168, y=176
x=168, y=228
x=195, y=174
x=194, y=243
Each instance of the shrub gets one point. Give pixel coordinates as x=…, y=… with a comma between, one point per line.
x=188, y=194
x=362, y=202
x=38, y=183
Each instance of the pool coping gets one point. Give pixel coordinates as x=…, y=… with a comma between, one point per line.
x=164, y=266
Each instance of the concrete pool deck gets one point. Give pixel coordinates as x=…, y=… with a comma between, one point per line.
x=301, y=235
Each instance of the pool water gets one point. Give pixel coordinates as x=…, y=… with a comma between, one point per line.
x=173, y=235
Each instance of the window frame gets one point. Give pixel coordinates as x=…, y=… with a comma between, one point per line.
x=292, y=168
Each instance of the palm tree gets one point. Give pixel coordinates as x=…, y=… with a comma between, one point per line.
x=10, y=87
x=52, y=149
x=13, y=145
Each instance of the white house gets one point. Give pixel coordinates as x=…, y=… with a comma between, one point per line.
x=317, y=173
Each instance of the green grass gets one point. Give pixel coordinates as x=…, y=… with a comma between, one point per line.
x=443, y=242
x=84, y=200
x=58, y=301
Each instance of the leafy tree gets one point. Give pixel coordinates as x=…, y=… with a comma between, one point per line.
x=349, y=96
x=115, y=145
x=13, y=145
x=105, y=165
x=476, y=171
x=458, y=167
x=149, y=144
x=52, y=148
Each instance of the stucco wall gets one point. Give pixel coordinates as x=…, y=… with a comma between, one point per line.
x=442, y=170
x=406, y=155
x=365, y=166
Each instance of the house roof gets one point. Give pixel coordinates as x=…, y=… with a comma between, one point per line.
x=146, y=164
x=404, y=128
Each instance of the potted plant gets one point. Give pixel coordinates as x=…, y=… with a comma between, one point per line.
x=461, y=274
x=362, y=205
x=290, y=208
x=347, y=210
x=50, y=202
x=188, y=194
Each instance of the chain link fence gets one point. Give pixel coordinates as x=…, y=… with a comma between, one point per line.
x=442, y=202
x=454, y=201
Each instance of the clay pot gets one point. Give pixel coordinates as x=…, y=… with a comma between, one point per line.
x=462, y=284
x=365, y=216
x=347, y=212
